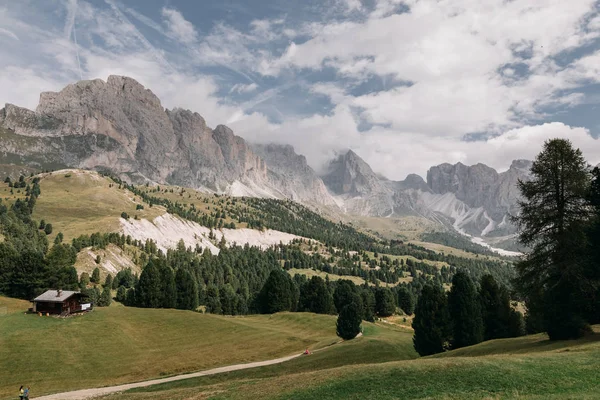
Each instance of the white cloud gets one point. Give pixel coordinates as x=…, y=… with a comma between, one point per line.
x=459, y=57
x=178, y=27
x=8, y=33
x=243, y=88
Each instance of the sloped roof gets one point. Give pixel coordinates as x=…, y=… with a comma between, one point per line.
x=53, y=297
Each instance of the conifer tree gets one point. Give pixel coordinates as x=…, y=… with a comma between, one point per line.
x=465, y=312
x=495, y=308
x=148, y=292
x=431, y=323
x=105, y=297
x=95, y=276
x=555, y=212
x=276, y=294
x=187, y=290
x=169, y=291
x=345, y=292
x=385, y=304
x=121, y=294
x=368, y=301
x=315, y=297
x=349, y=320
x=108, y=281
x=213, y=301
x=406, y=301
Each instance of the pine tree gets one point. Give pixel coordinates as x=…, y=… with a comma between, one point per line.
x=84, y=280
x=95, y=276
x=465, y=312
x=431, y=323
x=121, y=294
x=105, y=297
x=315, y=297
x=593, y=250
x=555, y=212
x=131, y=299
x=495, y=308
x=187, y=290
x=213, y=301
x=385, y=304
x=406, y=301
x=276, y=294
x=349, y=320
x=168, y=289
x=345, y=292
x=148, y=292
x=108, y=281
x=368, y=301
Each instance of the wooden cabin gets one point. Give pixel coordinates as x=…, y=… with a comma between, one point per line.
x=62, y=302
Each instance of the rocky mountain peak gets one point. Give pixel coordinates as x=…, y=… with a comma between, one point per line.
x=350, y=174
x=290, y=172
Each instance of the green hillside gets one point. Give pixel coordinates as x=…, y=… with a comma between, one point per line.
x=125, y=344
x=524, y=368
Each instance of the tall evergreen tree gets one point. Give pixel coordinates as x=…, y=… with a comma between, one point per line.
x=345, y=292
x=105, y=297
x=148, y=292
x=431, y=323
x=465, y=312
x=495, y=308
x=186, y=289
x=315, y=297
x=385, y=304
x=277, y=293
x=349, y=320
x=406, y=301
x=593, y=251
x=168, y=288
x=213, y=300
x=555, y=211
x=368, y=301
x=95, y=275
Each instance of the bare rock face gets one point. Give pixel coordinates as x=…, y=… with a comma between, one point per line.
x=121, y=126
x=355, y=184
x=476, y=200
x=290, y=172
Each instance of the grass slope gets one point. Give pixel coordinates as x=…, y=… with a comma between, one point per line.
x=119, y=344
x=80, y=202
x=526, y=368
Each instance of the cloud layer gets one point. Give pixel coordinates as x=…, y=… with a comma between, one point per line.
x=406, y=84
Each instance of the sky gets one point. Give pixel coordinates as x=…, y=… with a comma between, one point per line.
x=405, y=84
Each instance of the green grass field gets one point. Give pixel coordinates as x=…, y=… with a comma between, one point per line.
x=120, y=344
x=521, y=368
x=80, y=202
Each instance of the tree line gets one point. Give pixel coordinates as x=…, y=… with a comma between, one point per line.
x=464, y=316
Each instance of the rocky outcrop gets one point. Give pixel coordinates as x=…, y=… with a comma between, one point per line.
x=476, y=200
x=290, y=172
x=357, y=187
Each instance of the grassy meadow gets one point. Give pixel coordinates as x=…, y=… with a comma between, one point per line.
x=522, y=368
x=80, y=202
x=121, y=344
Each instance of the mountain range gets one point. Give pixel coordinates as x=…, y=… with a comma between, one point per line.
x=121, y=127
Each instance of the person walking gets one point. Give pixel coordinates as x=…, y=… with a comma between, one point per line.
x=26, y=394
x=21, y=392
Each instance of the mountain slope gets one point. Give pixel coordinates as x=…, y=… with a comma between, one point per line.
x=474, y=200
x=119, y=125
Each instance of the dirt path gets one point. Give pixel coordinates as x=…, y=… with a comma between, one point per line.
x=89, y=393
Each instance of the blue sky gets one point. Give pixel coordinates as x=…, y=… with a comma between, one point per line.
x=406, y=84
